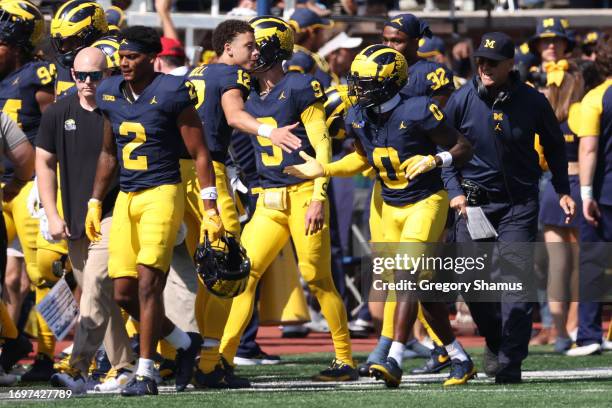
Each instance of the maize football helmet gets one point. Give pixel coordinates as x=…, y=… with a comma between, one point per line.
x=223, y=266
x=77, y=24
x=109, y=45
x=377, y=75
x=336, y=106
x=21, y=24
x=115, y=17
x=274, y=39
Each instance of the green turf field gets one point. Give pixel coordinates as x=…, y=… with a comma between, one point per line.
x=550, y=381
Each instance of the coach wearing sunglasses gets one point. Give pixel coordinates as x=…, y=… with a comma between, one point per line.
x=500, y=116
x=71, y=135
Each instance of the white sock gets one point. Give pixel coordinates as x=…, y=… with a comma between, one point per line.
x=397, y=351
x=456, y=352
x=145, y=368
x=179, y=339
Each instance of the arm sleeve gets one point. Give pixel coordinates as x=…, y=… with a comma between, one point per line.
x=45, y=139
x=348, y=166
x=553, y=143
x=591, y=109
x=313, y=119
x=450, y=175
x=13, y=136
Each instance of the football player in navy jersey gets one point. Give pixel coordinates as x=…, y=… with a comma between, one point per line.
x=26, y=89
x=222, y=90
x=425, y=78
x=289, y=207
x=147, y=117
x=402, y=33
x=399, y=136
x=76, y=24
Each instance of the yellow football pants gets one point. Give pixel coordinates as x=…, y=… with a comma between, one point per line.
x=144, y=228
x=393, y=232
x=211, y=312
x=20, y=223
x=314, y=260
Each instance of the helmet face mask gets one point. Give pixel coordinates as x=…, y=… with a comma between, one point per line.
x=67, y=48
x=370, y=91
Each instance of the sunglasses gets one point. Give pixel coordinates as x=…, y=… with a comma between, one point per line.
x=93, y=75
x=486, y=61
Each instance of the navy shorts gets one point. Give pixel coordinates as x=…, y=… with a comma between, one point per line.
x=551, y=213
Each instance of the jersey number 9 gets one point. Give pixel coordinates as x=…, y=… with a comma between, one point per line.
x=276, y=158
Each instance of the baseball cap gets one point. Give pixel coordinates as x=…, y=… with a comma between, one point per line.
x=171, y=48
x=303, y=19
x=430, y=47
x=495, y=46
x=342, y=40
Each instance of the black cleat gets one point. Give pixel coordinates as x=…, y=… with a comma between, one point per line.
x=14, y=350
x=363, y=369
x=437, y=361
x=461, y=372
x=220, y=378
x=337, y=371
x=138, y=386
x=185, y=361
x=41, y=371
x=389, y=371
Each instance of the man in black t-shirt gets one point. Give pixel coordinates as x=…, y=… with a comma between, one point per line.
x=71, y=135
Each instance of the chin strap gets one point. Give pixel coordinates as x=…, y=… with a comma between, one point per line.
x=387, y=106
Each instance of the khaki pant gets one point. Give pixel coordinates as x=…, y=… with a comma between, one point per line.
x=100, y=316
x=180, y=290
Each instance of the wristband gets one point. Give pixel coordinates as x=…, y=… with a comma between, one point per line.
x=265, y=130
x=208, y=193
x=446, y=157
x=586, y=192
x=93, y=201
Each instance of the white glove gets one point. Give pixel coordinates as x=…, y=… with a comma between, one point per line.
x=44, y=227
x=34, y=201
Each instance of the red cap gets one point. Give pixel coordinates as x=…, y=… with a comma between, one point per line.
x=171, y=48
